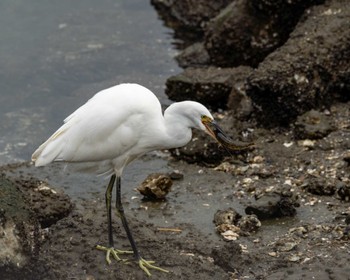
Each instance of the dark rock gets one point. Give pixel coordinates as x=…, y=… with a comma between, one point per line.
x=238, y=101
x=188, y=17
x=49, y=204
x=343, y=191
x=273, y=205
x=246, y=31
x=156, y=186
x=193, y=56
x=176, y=175
x=304, y=72
x=347, y=158
x=319, y=186
x=201, y=150
x=19, y=227
x=25, y=207
x=312, y=125
x=210, y=86
x=248, y=224
x=228, y=216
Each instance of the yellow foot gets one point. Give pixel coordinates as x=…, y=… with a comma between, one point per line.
x=145, y=265
x=114, y=252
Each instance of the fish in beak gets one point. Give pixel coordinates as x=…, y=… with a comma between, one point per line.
x=215, y=131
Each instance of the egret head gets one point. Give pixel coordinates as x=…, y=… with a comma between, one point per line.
x=192, y=114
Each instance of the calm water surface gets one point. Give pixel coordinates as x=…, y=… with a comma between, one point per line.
x=54, y=55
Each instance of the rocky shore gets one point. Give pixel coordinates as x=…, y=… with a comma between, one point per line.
x=273, y=72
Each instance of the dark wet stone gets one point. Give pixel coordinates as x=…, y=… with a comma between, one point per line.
x=248, y=224
x=246, y=31
x=312, y=125
x=304, y=72
x=228, y=216
x=201, y=150
x=188, y=17
x=193, y=56
x=343, y=191
x=347, y=158
x=49, y=204
x=19, y=227
x=320, y=186
x=176, y=175
x=273, y=205
x=156, y=186
x=210, y=86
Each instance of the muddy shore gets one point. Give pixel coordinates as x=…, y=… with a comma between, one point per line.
x=295, y=183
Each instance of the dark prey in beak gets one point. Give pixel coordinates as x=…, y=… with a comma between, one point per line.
x=228, y=143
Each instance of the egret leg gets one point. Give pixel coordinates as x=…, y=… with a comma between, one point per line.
x=108, y=197
x=144, y=265
x=110, y=249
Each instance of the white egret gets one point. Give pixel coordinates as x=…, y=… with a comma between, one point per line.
x=116, y=126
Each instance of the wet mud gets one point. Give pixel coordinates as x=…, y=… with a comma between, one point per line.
x=310, y=239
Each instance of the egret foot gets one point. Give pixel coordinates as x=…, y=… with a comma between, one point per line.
x=114, y=252
x=145, y=265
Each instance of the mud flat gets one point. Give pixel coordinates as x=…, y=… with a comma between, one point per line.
x=278, y=211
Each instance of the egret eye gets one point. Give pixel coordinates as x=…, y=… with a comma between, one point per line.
x=205, y=118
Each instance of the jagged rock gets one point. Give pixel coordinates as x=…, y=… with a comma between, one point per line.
x=19, y=229
x=200, y=150
x=248, y=224
x=246, y=31
x=228, y=216
x=307, y=69
x=210, y=86
x=156, y=186
x=320, y=186
x=279, y=203
x=48, y=204
x=26, y=206
x=343, y=191
x=193, y=56
x=188, y=17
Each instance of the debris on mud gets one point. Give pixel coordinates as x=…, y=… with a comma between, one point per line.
x=228, y=216
x=274, y=204
x=320, y=186
x=230, y=224
x=156, y=186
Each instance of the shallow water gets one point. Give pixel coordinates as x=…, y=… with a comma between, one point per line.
x=55, y=55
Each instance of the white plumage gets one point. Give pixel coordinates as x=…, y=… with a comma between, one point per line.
x=117, y=125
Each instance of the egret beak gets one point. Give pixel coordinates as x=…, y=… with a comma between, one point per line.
x=215, y=131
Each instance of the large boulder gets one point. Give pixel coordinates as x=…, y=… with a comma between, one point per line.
x=27, y=207
x=19, y=230
x=246, y=31
x=309, y=71
x=188, y=17
x=210, y=86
